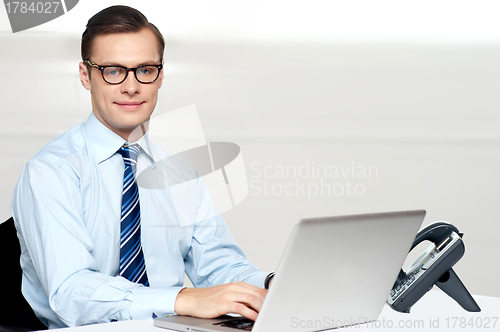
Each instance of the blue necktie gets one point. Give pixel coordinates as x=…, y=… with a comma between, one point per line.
x=132, y=264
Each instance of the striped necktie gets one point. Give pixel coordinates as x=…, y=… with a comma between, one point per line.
x=132, y=264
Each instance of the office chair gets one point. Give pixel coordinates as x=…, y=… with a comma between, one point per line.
x=16, y=314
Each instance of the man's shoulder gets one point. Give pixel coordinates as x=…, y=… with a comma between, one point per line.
x=63, y=146
x=59, y=160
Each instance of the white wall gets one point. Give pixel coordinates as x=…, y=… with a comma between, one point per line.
x=422, y=114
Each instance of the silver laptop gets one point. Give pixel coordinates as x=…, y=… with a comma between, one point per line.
x=335, y=271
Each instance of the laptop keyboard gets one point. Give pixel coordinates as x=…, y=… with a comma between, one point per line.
x=244, y=324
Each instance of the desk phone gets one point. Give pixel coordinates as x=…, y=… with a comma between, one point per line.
x=433, y=267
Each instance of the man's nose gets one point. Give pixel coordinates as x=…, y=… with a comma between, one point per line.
x=131, y=85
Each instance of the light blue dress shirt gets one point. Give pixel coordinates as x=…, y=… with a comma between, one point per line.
x=66, y=207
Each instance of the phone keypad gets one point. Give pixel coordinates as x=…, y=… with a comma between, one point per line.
x=403, y=284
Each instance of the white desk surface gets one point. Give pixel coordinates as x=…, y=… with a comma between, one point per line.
x=435, y=311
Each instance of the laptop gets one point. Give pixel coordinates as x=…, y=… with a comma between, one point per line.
x=335, y=272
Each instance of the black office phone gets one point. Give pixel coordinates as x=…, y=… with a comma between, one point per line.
x=433, y=267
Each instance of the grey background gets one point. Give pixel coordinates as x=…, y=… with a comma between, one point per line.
x=423, y=114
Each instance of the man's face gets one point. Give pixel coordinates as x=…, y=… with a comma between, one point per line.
x=123, y=107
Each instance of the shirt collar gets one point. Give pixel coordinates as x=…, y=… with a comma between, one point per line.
x=145, y=144
x=105, y=142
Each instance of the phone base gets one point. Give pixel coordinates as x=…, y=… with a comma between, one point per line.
x=451, y=284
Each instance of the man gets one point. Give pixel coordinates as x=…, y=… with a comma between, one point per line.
x=98, y=247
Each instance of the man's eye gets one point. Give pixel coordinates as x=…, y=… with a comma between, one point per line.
x=113, y=71
x=144, y=71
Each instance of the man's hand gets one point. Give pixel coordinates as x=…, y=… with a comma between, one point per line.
x=238, y=298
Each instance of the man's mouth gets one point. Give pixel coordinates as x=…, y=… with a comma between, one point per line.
x=129, y=105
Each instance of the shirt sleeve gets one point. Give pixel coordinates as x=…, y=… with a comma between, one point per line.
x=214, y=257
x=57, y=255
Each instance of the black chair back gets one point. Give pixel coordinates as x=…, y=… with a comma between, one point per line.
x=16, y=314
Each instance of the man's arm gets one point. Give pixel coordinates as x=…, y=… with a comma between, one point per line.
x=229, y=282
x=62, y=277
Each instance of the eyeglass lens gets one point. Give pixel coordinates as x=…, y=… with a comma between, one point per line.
x=145, y=74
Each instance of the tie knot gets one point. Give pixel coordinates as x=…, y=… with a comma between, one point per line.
x=130, y=152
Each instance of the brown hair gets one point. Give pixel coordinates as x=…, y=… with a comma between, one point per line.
x=117, y=19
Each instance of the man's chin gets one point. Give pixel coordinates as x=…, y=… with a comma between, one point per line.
x=134, y=132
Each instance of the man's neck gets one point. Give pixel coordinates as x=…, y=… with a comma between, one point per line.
x=130, y=135
x=137, y=133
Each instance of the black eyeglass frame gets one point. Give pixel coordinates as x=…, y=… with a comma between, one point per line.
x=101, y=68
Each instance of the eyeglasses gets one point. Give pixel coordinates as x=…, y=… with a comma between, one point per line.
x=117, y=74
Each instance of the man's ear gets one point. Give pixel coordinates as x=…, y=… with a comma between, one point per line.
x=84, y=76
x=160, y=79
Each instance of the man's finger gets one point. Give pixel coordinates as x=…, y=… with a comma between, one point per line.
x=250, y=300
x=244, y=310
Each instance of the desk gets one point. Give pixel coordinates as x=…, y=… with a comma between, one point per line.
x=436, y=311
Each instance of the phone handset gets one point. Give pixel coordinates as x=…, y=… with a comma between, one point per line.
x=433, y=267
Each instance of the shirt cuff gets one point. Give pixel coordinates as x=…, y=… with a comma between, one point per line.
x=257, y=279
x=149, y=302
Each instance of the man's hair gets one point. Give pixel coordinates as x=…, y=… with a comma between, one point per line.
x=117, y=19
